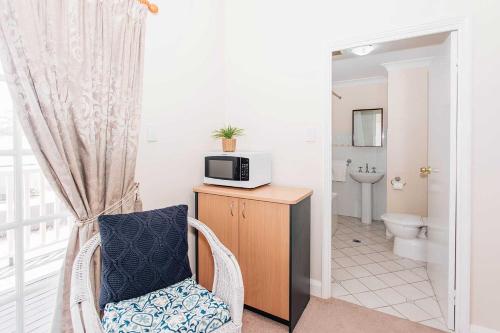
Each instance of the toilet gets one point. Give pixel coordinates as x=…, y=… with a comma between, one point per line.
x=409, y=233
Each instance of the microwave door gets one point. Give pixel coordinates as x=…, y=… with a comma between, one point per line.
x=222, y=167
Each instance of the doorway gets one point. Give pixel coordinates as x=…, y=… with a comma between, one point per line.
x=412, y=151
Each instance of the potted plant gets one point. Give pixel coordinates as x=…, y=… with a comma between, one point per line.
x=228, y=135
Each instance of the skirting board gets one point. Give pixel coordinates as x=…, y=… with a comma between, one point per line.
x=315, y=288
x=480, y=329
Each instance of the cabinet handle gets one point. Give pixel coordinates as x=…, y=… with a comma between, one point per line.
x=231, y=206
x=243, y=211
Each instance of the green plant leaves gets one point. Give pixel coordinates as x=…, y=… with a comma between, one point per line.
x=228, y=132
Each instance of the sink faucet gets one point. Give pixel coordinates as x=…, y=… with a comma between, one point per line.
x=366, y=170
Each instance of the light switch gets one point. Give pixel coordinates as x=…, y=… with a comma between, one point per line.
x=311, y=134
x=151, y=134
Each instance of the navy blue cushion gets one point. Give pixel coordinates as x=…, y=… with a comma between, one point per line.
x=142, y=252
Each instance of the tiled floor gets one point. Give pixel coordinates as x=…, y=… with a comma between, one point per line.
x=369, y=274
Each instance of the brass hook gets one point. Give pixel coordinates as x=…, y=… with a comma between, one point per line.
x=151, y=6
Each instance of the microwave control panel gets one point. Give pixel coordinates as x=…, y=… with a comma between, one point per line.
x=245, y=169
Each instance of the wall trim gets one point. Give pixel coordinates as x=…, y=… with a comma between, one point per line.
x=359, y=82
x=481, y=329
x=464, y=115
x=410, y=63
x=316, y=288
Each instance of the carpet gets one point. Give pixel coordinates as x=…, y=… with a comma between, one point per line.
x=337, y=316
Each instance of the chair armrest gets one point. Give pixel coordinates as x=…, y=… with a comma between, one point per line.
x=84, y=315
x=228, y=282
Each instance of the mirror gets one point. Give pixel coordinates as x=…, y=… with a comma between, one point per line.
x=367, y=127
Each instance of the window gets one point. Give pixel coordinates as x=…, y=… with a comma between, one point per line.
x=34, y=228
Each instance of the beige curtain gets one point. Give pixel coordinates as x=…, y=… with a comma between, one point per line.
x=75, y=71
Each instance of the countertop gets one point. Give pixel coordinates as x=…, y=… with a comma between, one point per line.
x=270, y=193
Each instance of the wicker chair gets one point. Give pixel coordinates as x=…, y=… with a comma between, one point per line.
x=228, y=284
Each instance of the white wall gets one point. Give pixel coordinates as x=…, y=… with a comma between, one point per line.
x=278, y=81
x=485, y=25
x=278, y=84
x=278, y=77
x=183, y=100
x=358, y=96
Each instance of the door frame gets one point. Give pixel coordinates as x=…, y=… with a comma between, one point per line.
x=463, y=145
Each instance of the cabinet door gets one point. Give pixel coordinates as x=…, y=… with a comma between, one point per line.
x=220, y=214
x=264, y=245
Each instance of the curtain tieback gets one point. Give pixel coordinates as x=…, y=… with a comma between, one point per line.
x=133, y=193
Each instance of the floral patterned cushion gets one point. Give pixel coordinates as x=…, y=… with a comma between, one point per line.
x=182, y=307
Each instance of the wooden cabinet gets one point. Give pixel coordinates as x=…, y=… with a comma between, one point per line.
x=268, y=230
x=264, y=242
x=220, y=213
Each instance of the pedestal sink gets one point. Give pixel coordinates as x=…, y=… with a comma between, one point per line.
x=366, y=179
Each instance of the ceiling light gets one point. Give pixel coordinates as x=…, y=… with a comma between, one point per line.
x=362, y=50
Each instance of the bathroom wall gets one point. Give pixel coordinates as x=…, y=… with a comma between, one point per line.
x=359, y=94
x=407, y=136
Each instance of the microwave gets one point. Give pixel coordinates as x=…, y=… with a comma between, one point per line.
x=242, y=169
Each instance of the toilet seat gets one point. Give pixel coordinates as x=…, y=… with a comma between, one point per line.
x=408, y=220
